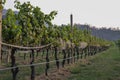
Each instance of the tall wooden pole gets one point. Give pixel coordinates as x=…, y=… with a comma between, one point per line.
x=71, y=22
x=0, y=28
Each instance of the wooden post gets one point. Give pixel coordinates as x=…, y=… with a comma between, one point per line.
x=85, y=53
x=74, y=54
x=68, y=56
x=71, y=23
x=32, y=67
x=77, y=52
x=47, y=64
x=0, y=29
x=64, y=58
x=82, y=53
x=56, y=57
x=13, y=64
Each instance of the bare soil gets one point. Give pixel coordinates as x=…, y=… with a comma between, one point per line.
x=55, y=74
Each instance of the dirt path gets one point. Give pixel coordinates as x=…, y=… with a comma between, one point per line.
x=61, y=74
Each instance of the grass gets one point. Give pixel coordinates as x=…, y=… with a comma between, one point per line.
x=103, y=66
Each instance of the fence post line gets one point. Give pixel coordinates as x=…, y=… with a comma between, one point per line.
x=15, y=68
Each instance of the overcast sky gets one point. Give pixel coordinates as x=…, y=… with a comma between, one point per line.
x=99, y=13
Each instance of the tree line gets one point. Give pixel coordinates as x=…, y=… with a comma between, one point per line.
x=32, y=27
